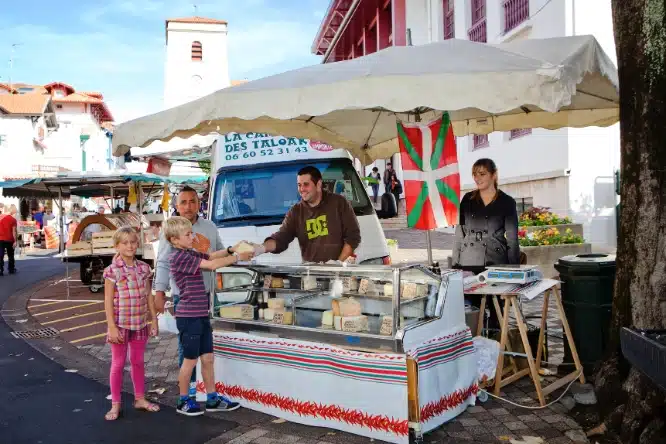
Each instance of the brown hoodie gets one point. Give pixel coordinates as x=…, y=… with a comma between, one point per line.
x=321, y=231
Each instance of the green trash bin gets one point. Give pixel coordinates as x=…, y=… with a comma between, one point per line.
x=588, y=281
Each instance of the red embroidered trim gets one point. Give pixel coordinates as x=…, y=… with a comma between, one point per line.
x=447, y=402
x=312, y=347
x=313, y=409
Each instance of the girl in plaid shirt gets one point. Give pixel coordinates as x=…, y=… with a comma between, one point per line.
x=131, y=318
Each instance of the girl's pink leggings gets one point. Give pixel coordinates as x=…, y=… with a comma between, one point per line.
x=118, y=356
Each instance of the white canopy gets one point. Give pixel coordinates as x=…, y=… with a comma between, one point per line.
x=533, y=83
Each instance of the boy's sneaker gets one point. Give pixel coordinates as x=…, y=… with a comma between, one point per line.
x=221, y=404
x=189, y=407
x=193, y=390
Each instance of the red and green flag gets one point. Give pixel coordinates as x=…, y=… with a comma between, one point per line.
x=430, y=173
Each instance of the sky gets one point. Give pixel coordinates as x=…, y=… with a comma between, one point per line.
x=117, y=47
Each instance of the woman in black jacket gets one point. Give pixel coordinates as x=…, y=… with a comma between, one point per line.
x=487, y=233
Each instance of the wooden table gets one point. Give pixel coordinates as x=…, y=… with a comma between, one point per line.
x=534, y=363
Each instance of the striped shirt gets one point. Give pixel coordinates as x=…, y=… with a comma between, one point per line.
x=185, y=269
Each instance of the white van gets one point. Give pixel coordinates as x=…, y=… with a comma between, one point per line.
x=254, y=184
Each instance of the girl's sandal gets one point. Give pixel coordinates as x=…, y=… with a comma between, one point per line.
x=146, y=406
x=112, y=414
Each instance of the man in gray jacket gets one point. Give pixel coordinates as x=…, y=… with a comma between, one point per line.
x=206, y=240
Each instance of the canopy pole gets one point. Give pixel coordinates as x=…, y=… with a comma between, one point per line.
x=140, y=209
x=62, y=221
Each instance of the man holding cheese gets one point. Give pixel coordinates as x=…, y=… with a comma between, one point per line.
x=324, y=223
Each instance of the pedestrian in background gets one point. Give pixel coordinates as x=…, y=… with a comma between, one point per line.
x=395, y=188
x=8, y=237
x=375, y=186
x=131, y=318
x=389, y=172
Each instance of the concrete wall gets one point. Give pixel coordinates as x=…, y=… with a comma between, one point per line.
x=185, y=79
x=18, y=152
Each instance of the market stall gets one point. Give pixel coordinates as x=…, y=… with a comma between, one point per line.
x=333, y=364
x=378, y=351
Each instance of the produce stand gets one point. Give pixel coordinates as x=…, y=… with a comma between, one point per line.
x=379, y=351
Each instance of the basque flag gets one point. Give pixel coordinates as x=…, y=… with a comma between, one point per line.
x=430, y=172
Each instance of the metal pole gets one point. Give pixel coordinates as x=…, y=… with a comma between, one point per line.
x=62, y=222
x=140, y=208
x=428, y=234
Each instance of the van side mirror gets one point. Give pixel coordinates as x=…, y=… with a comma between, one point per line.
x=389, y=208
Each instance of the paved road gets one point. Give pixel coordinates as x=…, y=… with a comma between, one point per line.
x=44, y=404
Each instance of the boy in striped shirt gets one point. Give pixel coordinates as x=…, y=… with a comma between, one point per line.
x=192, y=313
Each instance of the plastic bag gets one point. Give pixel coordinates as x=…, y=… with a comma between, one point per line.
x=487, y=353
x=167, y=323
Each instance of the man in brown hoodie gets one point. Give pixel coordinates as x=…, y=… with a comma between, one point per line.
x=324, y=223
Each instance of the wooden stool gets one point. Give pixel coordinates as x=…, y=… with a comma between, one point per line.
x=535, y=364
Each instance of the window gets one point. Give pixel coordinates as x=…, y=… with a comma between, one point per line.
x=449, y=22
x=519, y=133
x=58, y=106
x=59, y=93
x=515, y=12
x=524, y=204
x=480, y=141
x=477, y=33
x=197, y=52
x=25, y=90
x=264, y=194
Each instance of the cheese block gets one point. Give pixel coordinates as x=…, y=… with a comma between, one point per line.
x=388, y=290
x=277, y=283
x=409, y=291
x=363, y=286
x=309, y=282
x=350, y=284
x=421, y=290
x=386, y=328
x=353, y=324
x=269, y=313
x=276, y=303
x=240, y=311
x=327, y=319
x=267, y=281
x=349, y=307
x=283, y=317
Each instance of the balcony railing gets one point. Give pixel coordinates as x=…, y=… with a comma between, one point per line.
x=477, y=33
x=449, y=25
x=515, y=12
x=516, y=133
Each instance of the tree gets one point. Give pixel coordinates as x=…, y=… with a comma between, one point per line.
x=631, y=404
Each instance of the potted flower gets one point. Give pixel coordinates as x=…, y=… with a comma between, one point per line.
x=541, y=217
x=546, y=244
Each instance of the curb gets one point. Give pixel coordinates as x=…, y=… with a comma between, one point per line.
x=66, y=354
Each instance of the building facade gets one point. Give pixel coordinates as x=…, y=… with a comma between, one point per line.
x=569, y=170
x=26, y=121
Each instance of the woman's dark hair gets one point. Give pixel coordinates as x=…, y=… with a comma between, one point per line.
x=488, y=165
x=375, y=170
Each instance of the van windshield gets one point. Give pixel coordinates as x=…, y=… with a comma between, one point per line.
x=265, y=193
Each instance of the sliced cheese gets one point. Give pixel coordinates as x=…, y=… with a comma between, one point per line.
x=240, y=311
x=350, y=284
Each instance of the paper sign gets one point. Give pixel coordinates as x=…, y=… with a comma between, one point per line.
x=528, y=291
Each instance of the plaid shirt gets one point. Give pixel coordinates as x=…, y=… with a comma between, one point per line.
x=130, y=298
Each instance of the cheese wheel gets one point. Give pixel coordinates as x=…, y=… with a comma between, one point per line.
x=276, y=303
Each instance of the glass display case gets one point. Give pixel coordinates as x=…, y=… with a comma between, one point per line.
x=367, y=307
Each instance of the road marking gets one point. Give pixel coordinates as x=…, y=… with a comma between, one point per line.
x=89, y=337
x=65, y=300
x=65, y=309
x=82, y=326
x=48, y=303
x=71, y=317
